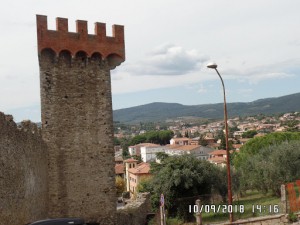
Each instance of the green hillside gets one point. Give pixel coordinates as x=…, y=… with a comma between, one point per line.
x=159, y=111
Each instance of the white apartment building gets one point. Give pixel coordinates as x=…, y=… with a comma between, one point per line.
x=198, y=151
x=148, y=153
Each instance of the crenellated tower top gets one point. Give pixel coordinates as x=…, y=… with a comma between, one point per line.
x=80, y=41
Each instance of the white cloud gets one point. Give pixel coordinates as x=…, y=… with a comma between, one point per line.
x=167, y=59
x=248, y=39
x=125, y=81
x=132, y=83
x=258, y=73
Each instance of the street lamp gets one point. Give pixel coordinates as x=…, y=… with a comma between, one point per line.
x=214, y=66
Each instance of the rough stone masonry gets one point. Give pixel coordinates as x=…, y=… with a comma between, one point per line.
x=23, y=172
x=77, y=123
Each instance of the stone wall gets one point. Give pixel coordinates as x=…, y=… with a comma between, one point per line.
x=77, y=127
x=279, y=219
x=77, y=119
x=135, y=212
x=23, y=173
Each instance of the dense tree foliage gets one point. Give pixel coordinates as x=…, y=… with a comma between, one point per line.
x=124, y=142
x=254, y=145
x=161, y=156
x=249, y=134
x=157, y=137
x=273, y=166
x=120, y=185
x=116, y=141
x=138, y=158
x=265, y=163
x=202, y=140
x=291, y=125
x=182, y=179
x=145, y=184
x=220, y=186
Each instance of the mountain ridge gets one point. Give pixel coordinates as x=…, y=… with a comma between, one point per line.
x=161, y=111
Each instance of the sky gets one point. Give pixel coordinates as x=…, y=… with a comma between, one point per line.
x=255, y=43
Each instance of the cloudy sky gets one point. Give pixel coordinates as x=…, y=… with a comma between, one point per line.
x=255, y=43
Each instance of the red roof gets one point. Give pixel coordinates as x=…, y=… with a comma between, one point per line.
x=119, y=168
x=217, y=160
x=218, y=152
x=142, y=168
x=144, y=145
x=184, y=147
x=130, y=160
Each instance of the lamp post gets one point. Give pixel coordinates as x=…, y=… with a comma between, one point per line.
x=214, y=66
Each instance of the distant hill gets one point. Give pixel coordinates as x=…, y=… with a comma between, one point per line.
x=159, y=111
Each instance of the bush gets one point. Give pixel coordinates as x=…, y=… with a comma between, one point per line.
x=292, y=217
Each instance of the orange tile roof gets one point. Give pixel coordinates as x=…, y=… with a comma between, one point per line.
x=237, y=145
x=119, y=168
x=184, y=147
x=181, y=139
x=142, y=168
x=217, y=160
x=218, y=152
x=130, y=160
x=144, y=144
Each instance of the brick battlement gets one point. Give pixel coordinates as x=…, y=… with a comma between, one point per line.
x=61, y=39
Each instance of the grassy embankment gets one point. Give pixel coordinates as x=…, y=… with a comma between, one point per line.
x=252, y=198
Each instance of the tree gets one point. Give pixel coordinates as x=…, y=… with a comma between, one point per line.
x=157, y=137
x=145, y=184
x=221, y=182
x=291, y=125
x=165, y=136
x=152, y=137
x=181, y=177
x=125, y=153
x=116, y=141
x=186, y=134
x=138, y=139
x=178, y=134
x=265, y=167
x=223, y=142
x=254, y=145
x=120, y=185
x=249, y=134
x=162, y=156
x=232, y=129
x=138, y=158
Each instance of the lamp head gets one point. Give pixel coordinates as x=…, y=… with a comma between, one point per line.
x=212, y=65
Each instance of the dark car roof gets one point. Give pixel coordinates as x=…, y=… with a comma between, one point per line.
x=60, y=221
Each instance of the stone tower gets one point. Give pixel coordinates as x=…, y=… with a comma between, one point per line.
x=77, y=120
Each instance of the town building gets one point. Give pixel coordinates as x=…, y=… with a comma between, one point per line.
x=218, y=157
x=198, y=151
x=136, y=149
x=129, y=164
x=148, y=153
x=136, y=174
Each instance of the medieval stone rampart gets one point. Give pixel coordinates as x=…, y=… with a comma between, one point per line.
x=77, y=119
x=68, y=170
x=23, y=172
x=135, y=212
